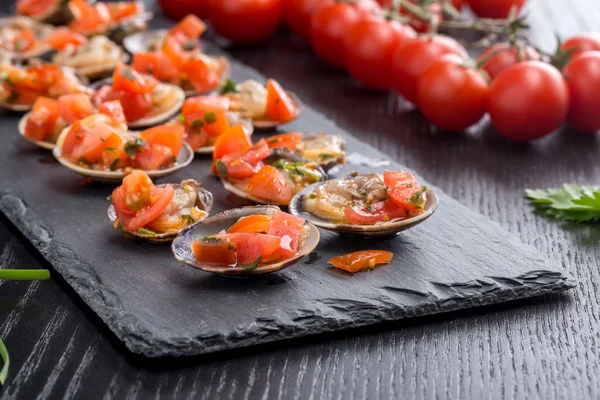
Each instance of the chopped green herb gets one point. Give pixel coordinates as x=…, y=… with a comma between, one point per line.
x=418, y=198
x=222, y=169
x=132, y=147
x=210, y=117
x=571, y=202
x=144, y=231
x=312, y=196
x=127, y=74
x=113, y=165
x=212, y=239
x=109, y=198
x=181, y=118
x=189, y=45
x=5, y=363
x=188, y=219
x=20, y=45
x=370, y=207
x=230, y=246
x=325, y=156
x=110, y=148
x=315, y=176
x=229, y=87
x=252, y=265
x=197, y=124
x=297, y=168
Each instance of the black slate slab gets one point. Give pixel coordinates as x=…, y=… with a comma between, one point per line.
x=457, y=259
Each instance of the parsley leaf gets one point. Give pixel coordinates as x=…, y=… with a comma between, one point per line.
x=146, y=232
x=571, y=202
x=229, y=87
x=210, y=117
x=132, y=147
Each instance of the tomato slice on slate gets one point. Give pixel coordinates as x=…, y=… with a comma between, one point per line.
x=42, y=119
x=201, y=104
x=202, y=78
x=404, y=190
x=252, y=247
x=280, y=106
x=138, y=202
x=113, y=109
x=233, y=141
x=287, y=140
x=61, y=38
x=361, y=260
x=167, y=135
x=218, y=251
x=126, y=79
x=252, y=224
x=153, y=156
x=382, y=211
x=269, y=184
x=288, y=228
x=156, y=64
x=75, y=106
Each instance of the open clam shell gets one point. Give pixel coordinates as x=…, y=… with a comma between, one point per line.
x=276, y=154
x=119, y=31
x=39, y=143
x=329, y=163
x=40, y=30
x=182, y=245
x=204, y=202
x=267, y=125
x=233, y=119
x=382, y=229
x=184, y=158
x=142, y=42
x=94, y=72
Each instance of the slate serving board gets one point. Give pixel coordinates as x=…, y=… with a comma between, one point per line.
x=158, y=307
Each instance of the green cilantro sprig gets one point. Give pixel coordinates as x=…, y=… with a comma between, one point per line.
x=571, y=202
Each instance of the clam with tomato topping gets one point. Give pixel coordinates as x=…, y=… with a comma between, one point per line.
x=93, y=58
x=157, y=213
x=50, y=11
x=325, y=149
x=21, y=87
x=100, y=147
x=366, y=204
x=24, y=37
x=187, y=32
x=267, y=106
x=246, y=241
x=145, y=101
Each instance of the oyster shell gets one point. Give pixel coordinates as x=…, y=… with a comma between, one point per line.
x=182, y=245
x=204, y=201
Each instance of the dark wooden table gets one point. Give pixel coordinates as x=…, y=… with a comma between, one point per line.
x=540, y=348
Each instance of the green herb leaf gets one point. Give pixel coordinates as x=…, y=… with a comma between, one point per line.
x=312, y=196
x=189, y=45
x=5, y=362
x=109, y=198
x=229, y=87
x=571, y=202
x=210, y=117
x=113, y=165
x=222, y=169
x=188, y=219
x=212, y=239
x=132, y=147
x=181, y=118
x=325, y=156
x=197, y=124
x=127, y=74
x=24, y=274
x=252, y=265
x=146, y=232
x=315, y=176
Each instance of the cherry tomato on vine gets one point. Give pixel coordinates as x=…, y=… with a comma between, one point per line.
x=412, y=58
x=245, y=21
x=528, y=100
x=494, y=8
x=502, y=55
x=177, y=9
x=583, y=79
x=369, y=47
x=299, y=12
x=451, y=95
x=581, y=43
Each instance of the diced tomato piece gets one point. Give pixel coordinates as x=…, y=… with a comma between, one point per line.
x=63, y=37
x=42, y=119
x=73, y=139
x=116, y=158
x=202, y=78
x=360, y=260
x=250, y=246
x=33, y=7
x=121, y=10
x=202, y=104
x=113, y=109
x=233, y=141
x=287, y=140
x=62, y=83
x=268, y=184
x=167, y=135
x=174, y=51
x=288, y=228
x=138, y=202
x=24, y=40
x=252, y=224
x=218, y=251
x=196, y=138
x=404, y=190
x=156, y=64
x=102, y=95
x=91, y=149
x=256, y=153
x=190, y=26
x=213, y=123
x=75, y=106
x=248, y=163
x=153, y=156
x=125, y=79
x=135, y=106
x=382, y=211
x=88, y=18
x=280, y=106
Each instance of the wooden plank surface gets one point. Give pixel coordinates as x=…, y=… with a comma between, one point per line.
x=539, y=348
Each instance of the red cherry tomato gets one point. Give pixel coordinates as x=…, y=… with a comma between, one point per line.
x=412, y=58
x=299, y=12
x=177, y=9
x=452, y=96
x=245, y=21
x=494, y=8
x=369, y=47
x=505, y=55
x=581, y=43
x=583, y=78
x=528, y=100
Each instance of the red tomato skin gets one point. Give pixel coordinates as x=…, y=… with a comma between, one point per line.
x=528, y=100
x=299, y=12
x=153, y=156
x=166, y=135
x=583, y=79
x=245, y=21
x=369, y=47
x=113, y=109
x=75, y=106
x=452, y=96
x=580, y=44
x=250, y=246
x=133, y=220
x=401, y=188
x=382, y=211
x=412, y=58
x=177, y=9
x=494, y=8
x=289, y=228
x=504, y=57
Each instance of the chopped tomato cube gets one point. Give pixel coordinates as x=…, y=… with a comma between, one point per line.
x=42, y=119
x=153, y=156
x=252, y=224
x=115, y=158
x=88, y=18
x=280, y=106
x=213, y=123
x=125, y=79
x=121, y=10
x=252, y=247
x=135, y=106
x=248, y=163
x=102, y=94
x=287, y=140
x=360, y=260
x=73, y=139
x=33, y=7
x=63, y=37
x=404, y=190
x=190, y=26
x=202, y=78
x=196, y=138
x=201, y=104
x=233, y=141
x=156, y=64
x=288, y=228
x=174, y=51
x=113, y=109
x=75, y=106
x=268, y=184
x=218, y=251
x=91, y=149
x=382, y=211
x=23, y=40
x=167, y=135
